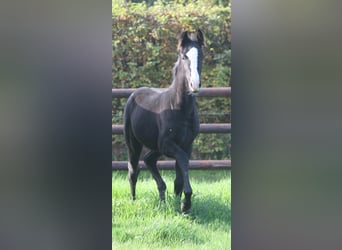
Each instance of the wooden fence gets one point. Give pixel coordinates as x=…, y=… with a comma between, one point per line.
x=204, y=128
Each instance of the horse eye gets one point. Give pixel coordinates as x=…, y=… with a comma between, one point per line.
x=184, y=57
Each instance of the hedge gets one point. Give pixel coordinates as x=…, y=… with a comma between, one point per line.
x=144, y=43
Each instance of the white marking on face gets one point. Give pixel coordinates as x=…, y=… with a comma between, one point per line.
x=192, y=54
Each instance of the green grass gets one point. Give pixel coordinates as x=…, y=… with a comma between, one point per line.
x=150, y=224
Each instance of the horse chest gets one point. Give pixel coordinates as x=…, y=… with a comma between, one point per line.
x=182, y=132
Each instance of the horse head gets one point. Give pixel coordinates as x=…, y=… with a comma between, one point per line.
x=191, y=57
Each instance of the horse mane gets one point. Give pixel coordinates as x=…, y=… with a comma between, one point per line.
x=174, y=70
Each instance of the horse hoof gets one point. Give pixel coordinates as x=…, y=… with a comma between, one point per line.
x=185, y=207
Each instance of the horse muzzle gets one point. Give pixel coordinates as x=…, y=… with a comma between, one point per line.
x=194, y=87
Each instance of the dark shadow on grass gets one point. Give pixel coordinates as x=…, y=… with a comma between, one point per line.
x=204, y=210
x=209, y=210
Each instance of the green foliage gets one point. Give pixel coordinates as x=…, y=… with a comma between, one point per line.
x=144, y=40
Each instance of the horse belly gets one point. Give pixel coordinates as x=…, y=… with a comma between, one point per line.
x=146, y=130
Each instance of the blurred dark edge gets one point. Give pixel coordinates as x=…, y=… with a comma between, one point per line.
x=55, y=135
x=55, y=129
x=287, y=123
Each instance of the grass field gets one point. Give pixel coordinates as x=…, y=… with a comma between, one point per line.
x=149, y=224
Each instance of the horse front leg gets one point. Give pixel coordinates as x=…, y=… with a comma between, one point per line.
x=179, y=181
x=184, y=165
x=182, y=161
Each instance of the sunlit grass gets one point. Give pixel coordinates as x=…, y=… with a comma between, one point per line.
x=148, y=223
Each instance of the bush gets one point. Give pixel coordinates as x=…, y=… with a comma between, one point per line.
x=145, y=50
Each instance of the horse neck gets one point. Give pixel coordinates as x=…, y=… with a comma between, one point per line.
x=180, y=99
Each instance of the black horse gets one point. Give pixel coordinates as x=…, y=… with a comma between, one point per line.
x=166, y=122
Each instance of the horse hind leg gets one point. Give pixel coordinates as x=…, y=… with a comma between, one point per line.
x=133, y=168
x=134, y=151
x=150, y=160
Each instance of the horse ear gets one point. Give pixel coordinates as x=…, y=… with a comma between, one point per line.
x=183, y=38
x=200, y=37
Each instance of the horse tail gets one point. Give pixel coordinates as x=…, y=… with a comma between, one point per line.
x=133, y=145
x=127, y=121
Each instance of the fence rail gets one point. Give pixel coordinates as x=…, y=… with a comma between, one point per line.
x=204, y=92
x=204, y=128
x=193, y=164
